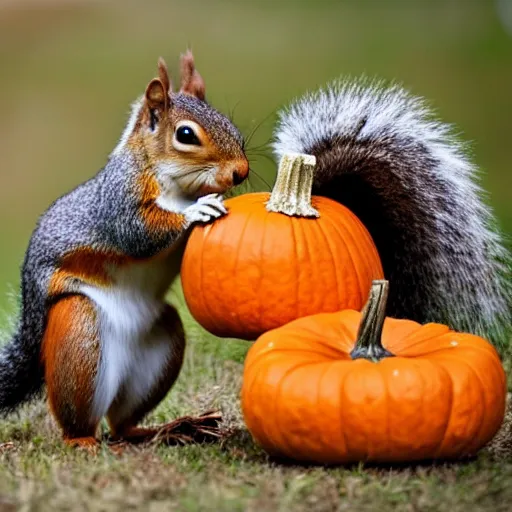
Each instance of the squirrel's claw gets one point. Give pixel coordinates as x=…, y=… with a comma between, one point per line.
x=206, y=209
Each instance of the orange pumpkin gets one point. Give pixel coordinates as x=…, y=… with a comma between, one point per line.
x=276, y=258
x=310, y=392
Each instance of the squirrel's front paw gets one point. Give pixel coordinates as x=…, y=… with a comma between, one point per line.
x=205, y=209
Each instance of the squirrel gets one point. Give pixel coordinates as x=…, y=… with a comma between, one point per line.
x=94, y=326
x=382, y=153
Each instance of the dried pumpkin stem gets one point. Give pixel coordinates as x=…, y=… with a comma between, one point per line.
x=291, y=194
x=369, y=344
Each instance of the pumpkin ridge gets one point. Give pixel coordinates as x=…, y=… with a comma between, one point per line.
x=433, y=351
x=490, y=351
x=450, y=409
x=386, y=408
x=345, y=234
x=219, y=235
x=319, y=228
x=346, y=330
x=342, y=408
x=377, y=369
x=278, y=427
x=247, y=390
x=501, y=378
x=254, y=357
x=368, y=368
x=308, y=257
x=262, y=267
x=237, y=259
x=334, y=226
x=483, y=400
x=297, y=280
x=338, y=348
x=318, y=393
x=405, y=342
x=313, y=352
x=446, y=351
x=463, y=447
x=205, y=302
x=202, y=298
x=473, y=342
x=419, y=373
x=348, y=247
x=302, y=330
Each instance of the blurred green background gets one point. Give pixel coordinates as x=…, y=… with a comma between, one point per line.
x=70, y=69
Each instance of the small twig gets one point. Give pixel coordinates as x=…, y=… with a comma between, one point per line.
x=186, y=430
x=7, y=446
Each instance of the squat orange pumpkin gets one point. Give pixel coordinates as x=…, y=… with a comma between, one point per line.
x=276, y=258
x=310, y=393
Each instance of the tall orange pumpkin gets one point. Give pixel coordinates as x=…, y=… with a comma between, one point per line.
x=275, y=258
x=311, y=392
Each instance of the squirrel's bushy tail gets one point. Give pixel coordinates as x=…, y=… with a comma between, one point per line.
x=380, y=152
x=21, y=373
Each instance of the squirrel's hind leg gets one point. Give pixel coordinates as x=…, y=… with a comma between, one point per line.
x=166, y=339
x=71, y=355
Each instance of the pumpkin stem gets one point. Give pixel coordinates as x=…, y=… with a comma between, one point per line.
x=291, y=194
x=369, y=344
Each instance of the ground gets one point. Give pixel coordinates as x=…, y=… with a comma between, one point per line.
x=38, y=473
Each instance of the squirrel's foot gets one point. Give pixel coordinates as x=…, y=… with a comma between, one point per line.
x=188, y=429
x=205, y=209
x=89, y=444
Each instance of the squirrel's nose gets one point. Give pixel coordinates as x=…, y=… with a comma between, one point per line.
x=241, y=172
x=237, y=178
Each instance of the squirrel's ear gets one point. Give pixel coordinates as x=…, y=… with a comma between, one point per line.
x=157, y=91
x=163, y=74
x=191, y=81
x=155, y=95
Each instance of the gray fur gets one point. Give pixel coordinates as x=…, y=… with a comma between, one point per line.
x=220, y=129
x=381, y=153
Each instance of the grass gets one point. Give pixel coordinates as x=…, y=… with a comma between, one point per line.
x=37, y=472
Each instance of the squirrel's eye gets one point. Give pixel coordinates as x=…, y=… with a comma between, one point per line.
x=186, y=135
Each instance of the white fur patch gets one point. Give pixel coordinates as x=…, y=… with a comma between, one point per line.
x=172, y=198
x=133, y=355
x=130, y=126
x=179, y=184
